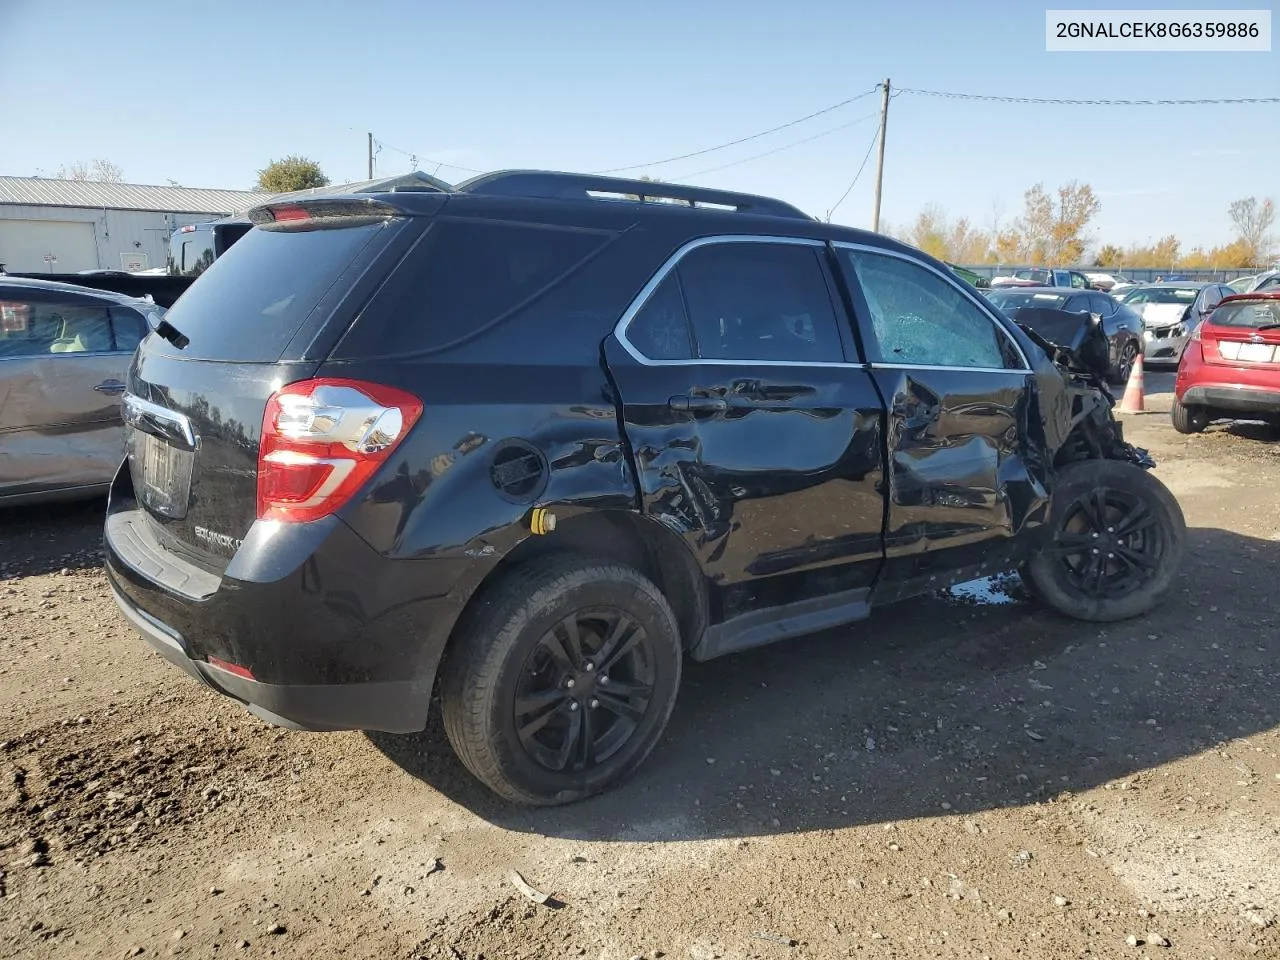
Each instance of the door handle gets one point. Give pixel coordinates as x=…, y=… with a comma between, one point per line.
x=697, y=404
x=112, y=387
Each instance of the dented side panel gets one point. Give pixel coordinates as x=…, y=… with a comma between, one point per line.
x=56, y=431
x=966, y=470
x=783, y=483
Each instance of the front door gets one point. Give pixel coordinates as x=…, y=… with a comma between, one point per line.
x=962, y=482
x=756, y=434
x=62, y=366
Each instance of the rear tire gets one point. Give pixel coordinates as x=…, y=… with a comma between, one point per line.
x=1189, y=419
x=1117, y=537
x=561, y=679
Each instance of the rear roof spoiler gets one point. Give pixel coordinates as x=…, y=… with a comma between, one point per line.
x=577, y=186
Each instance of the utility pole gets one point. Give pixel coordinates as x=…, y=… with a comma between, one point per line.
x=371, y=160
x=884, y=121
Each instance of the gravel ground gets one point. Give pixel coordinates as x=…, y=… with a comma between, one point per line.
x=966, y=776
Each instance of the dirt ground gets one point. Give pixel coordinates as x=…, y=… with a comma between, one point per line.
x=956, y=778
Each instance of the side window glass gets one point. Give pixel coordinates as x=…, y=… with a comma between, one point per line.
x=33, y=329
x=1079, y=281
x=127, y=329
x=919, y=318
x=1101, y=304
x=760, y=301
x=660, y=330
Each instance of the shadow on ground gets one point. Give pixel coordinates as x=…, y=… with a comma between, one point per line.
x=933, y=702
x=46, y=537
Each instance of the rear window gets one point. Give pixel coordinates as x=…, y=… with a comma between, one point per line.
x=1246, y=314
x=249, y=304
x=1011, y=303
x=463, y=277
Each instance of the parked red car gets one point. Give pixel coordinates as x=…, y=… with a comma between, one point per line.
x=1231, y=365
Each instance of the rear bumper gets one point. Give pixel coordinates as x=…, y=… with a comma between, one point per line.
x=1239, y=399
x=331, y=633
x=394, y=706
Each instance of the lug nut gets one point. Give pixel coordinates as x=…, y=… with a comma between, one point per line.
x=1111, y=556
x=604, y=678
x=573, y=705
x=590, y=666
x=594, y=704
x=569, y=683
x=1095, y=550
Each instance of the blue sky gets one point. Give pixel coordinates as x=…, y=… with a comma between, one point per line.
x=207, y=94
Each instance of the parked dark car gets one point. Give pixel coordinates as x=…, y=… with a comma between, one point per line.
x=64, y=352
x=531, y=441
x=1122, y=326
x=1170, y=311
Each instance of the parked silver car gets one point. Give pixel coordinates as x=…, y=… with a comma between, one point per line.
x=1170, y=311
x=64, y=353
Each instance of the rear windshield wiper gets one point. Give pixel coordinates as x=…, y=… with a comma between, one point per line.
x=1269, y=326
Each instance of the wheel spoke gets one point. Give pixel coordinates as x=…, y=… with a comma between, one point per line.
x=556, y=648
x=1135, y=521
x=561, y=758
x=620, y=707
x=586, y=740
x=531, y=728
x=622, y=638
x=567, y=629
x=1096, y=509
x=1069, y=544
x=1135, y=558
x=538, y=701
x=1097, y=573
x=628, y=690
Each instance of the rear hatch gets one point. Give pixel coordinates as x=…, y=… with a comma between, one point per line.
x=1244, y=334
x=263, y=316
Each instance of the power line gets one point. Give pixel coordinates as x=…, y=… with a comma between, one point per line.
x=871, y=146
x=1088, y=103
x=417, y=157
x=786, y=146
x=734, y=143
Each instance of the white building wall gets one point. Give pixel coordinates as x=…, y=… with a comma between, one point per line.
x=116, y=232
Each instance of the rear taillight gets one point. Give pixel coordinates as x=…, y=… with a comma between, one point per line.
x=322, y=440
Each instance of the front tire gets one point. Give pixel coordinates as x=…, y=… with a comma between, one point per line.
x=561, y=679
x=1189, y=419
x=1117, y=537
x=1124, y=365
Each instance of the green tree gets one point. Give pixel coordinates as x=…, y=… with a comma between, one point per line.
x=291, y=173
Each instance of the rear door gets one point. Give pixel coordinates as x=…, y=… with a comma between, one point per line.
x=63, y=359
x=755, y=430
x=962, y=481
x=260, y=317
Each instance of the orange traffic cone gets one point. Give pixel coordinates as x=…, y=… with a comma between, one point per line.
x=1132, y=401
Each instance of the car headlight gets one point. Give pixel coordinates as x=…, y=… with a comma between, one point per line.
x=1178, y=330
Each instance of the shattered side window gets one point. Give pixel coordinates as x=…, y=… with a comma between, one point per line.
x=920, y=319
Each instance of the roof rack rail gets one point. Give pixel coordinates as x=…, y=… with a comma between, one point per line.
x=581, y=186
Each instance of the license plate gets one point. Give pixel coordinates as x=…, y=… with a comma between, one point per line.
x=161, y=474
x=1256, y=352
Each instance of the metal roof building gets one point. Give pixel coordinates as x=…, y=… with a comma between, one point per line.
x=63, y=226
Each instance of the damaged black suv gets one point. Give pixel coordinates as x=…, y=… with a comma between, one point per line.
x=528, y=442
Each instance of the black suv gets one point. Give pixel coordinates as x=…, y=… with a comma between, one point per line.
x=530, y=441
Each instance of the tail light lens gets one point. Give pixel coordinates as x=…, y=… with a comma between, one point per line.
x=322, y=440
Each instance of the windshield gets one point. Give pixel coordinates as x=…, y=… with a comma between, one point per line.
x=1144, y=295
x=1247, y=314
x=1011, y=303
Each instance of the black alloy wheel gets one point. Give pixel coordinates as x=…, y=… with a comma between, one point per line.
x=1114, y=543
x=584, y=689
